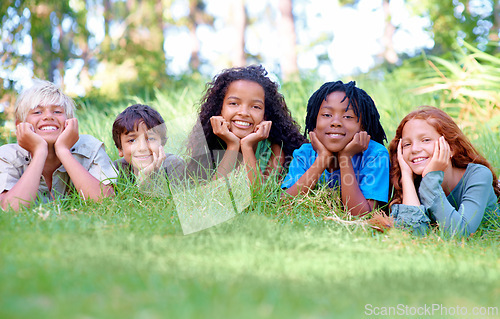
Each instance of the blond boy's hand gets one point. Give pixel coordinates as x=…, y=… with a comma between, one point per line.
x=69, y=135
x=29, y=140
x=358, y=144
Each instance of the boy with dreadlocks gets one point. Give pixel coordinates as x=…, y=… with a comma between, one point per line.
x=346, y=148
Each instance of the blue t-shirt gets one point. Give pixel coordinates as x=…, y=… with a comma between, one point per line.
x=371, y=168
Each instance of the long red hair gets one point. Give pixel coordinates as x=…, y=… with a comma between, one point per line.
x=464, y=151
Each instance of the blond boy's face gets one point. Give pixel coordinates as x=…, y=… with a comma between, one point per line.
x=139, y=145
x=48, y=121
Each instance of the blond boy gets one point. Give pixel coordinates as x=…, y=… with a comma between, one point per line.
x=50, y=155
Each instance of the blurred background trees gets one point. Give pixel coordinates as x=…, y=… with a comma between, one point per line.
x=115, y=47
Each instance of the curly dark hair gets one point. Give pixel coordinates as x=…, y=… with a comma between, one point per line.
x=464, y=151
x=285, y=131
x=359, y=100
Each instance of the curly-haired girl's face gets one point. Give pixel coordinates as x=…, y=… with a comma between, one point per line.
x=243, y=107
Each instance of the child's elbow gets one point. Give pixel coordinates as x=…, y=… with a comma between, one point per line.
x=108, y=191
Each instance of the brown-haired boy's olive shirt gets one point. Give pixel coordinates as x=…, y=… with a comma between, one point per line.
x=88, y=151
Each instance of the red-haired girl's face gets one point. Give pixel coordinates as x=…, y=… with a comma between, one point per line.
x=243, y=107
x=417, y=141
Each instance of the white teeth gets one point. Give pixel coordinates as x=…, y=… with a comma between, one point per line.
x=334, y=134
x=48, y=128
x=418, y=160
x=242, y=123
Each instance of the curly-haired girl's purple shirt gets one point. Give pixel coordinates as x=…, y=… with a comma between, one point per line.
x=371, y=168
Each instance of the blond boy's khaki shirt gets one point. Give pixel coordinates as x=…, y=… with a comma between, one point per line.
x=88, y=151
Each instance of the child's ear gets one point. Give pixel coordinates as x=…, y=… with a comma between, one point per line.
x=120, y=152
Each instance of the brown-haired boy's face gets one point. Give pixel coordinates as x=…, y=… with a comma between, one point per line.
x=48, y=121
x=139, y=145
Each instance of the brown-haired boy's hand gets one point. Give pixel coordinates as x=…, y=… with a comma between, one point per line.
x=441, y=158
x=358, y=144
x=158, y=157
x=220, y=128
x=69, y=135
x=29, y=140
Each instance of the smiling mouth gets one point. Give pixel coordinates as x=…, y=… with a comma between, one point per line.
x=418, y=160
x=48, y=128
x=335, y=135
x=142, y=157
x=242, y=124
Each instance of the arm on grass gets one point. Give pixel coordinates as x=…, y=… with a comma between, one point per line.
x=352, y=197
x=310, y=178
x=249, y=146
x=85, y=183
x=25, y=190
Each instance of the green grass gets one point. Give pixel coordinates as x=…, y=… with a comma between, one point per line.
x=127, y=257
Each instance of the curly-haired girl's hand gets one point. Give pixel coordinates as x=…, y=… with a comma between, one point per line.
x=403, y=166
x=220, y=128
x=441, y=158
x=260, y=133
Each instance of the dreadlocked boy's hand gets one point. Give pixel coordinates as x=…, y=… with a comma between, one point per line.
x=318, y=146
x=358, y=144
x=220, y=128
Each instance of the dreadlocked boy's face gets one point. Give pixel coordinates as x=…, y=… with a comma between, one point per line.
x=335, y=124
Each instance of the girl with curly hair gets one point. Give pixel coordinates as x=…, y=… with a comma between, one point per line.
x=439, y=177
x=244, y=119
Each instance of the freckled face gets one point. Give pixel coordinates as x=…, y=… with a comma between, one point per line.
x=243, y=107
x=417, y=141
x=336, y=126
x=139, y=145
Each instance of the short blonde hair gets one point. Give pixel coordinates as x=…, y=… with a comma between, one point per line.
x=42, y=93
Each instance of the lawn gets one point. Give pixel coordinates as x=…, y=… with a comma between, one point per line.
x=128, y=257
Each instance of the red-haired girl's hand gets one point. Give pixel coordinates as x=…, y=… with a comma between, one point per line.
x=403, y=166
x=220, y=128
x=358, y=144
x=441, y=158
x=260, y=133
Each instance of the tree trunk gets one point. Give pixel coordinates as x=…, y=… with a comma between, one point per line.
x=389, y=54
x=238, y=20
x=288, y=38
x=194, y=60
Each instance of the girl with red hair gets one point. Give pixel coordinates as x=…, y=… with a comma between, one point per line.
x=439, y=177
